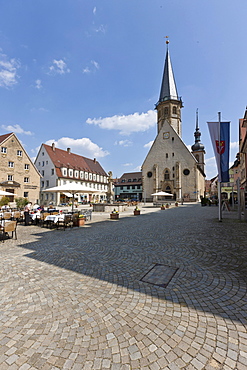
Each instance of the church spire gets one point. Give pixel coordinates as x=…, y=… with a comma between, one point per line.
x=169, y=104
x=168, y=87
x=198, y=145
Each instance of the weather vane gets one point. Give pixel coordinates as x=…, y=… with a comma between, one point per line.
x=167, y=40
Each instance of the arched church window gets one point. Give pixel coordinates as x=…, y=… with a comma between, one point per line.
x=174, y=110
x=168, y=189
x=167, y=175
x=166, y=111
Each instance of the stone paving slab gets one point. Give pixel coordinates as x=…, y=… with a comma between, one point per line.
x=74, y=299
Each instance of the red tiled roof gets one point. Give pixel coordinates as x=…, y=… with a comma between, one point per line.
x=4, y=137
x=63, y=158
x=129, y=175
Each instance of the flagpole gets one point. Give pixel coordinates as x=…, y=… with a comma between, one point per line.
x=219, y=175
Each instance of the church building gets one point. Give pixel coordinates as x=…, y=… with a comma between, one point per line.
x=170, y=166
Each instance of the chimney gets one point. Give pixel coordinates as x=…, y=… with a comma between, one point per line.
x=94, y=160
x=53, y=147
x=68, y=150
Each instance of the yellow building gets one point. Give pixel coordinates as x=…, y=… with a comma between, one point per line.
x=18, y=174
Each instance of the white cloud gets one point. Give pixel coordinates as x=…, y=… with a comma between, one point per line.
x=38, y=84
x=83, y=146
x=16, y=129
x=234, y=145
x=95, y=66
x=148, y=145
x=8, y=71
x=94, y=10
x=127, y=164
x=101, y=29
x=59, y=67
x=124, y=143
x=135, y=122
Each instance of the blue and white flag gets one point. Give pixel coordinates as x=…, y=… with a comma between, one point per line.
x=220, y=137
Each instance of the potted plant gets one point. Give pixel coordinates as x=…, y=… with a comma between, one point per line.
x=137, y=211
x=176, y=204
x=162, y=207
x=114, y=215
x=81, y=220
x=167, y=205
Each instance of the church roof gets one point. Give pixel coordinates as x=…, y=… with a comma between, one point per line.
x=168, y=87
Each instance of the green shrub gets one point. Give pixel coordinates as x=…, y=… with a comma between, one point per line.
x=21, y=202
x=4, y=201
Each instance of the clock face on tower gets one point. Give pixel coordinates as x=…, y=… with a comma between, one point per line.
x=166, y=135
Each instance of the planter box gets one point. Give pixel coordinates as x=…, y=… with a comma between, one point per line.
x=137, y=213
x=81, y=222
x=114, y=216
x=162, y=208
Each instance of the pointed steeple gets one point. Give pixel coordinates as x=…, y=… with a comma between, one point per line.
x=168, y=87
x=169, y=104
x=198, y=145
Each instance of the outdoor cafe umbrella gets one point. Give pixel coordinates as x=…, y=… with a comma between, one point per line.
x=71, y=188
x=3, y=193
x=163, y=193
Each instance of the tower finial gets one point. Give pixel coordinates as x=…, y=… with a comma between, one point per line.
x=167, y=40
x=197, y=126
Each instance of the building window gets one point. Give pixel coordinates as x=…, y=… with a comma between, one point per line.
x=26, y=179
x=10, y=177
x=186, y=172
x=121, y=187
x=86, y=176
x=3, y=149
x=70, y=173
x=166, y=155
x=76, y=174
x=43, y=173
x=47, y=183
x=174, y=110
x=42, y=184
x=128, y=187
x=25, y=194
x=173, y=154
x=19, y=153
x=167, y=175
x=65, y=172
x=11, y=164
x=149, y=174
x=133, y=187
x=43, y=163
x=90, y=176
x=139, y=187
x=43, y=153
x=166, y=111
x=26, y=166
x=134, y=180
x=172, y=138
x=123, y=180
x=94, y=177
x=81, y=174
x=46, y=162
x=52, y=171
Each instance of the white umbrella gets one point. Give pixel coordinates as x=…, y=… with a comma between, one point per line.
x=71, y=188
x=2, y=193
x=163, y=193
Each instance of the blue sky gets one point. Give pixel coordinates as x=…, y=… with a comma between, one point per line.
x=86, y=74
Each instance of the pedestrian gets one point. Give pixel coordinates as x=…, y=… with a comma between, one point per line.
x=27, y=210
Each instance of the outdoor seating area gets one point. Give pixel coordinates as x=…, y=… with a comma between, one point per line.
x=7, y=227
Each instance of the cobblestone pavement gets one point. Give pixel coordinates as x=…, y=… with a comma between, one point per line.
x=82, y=299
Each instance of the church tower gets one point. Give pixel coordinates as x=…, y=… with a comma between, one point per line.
x=197, y=149
x=169, y=104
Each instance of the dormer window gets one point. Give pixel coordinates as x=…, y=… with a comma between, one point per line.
x=70, y=173
x=81, y=174
x=19, y=153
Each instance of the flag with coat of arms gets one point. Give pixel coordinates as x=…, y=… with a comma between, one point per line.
x=220, y=137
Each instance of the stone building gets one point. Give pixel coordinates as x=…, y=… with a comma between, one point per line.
x=60, y=167
x=18, y=174
x=170, y=166
x=129, y=186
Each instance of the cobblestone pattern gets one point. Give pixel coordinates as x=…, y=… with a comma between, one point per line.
x=74, y=299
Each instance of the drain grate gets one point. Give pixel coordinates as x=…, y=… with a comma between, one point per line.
x=159, y=275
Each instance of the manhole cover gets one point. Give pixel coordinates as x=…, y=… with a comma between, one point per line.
x=159, y=275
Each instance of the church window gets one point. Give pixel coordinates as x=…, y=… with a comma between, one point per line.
x=166, y=111
x=173, y=168
x=167, y=175
x=172, y=138
x=168, y=189
x=166, y=155
x=173, y=154
x=174, y=110
x=149, y=174
x=186, y=172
